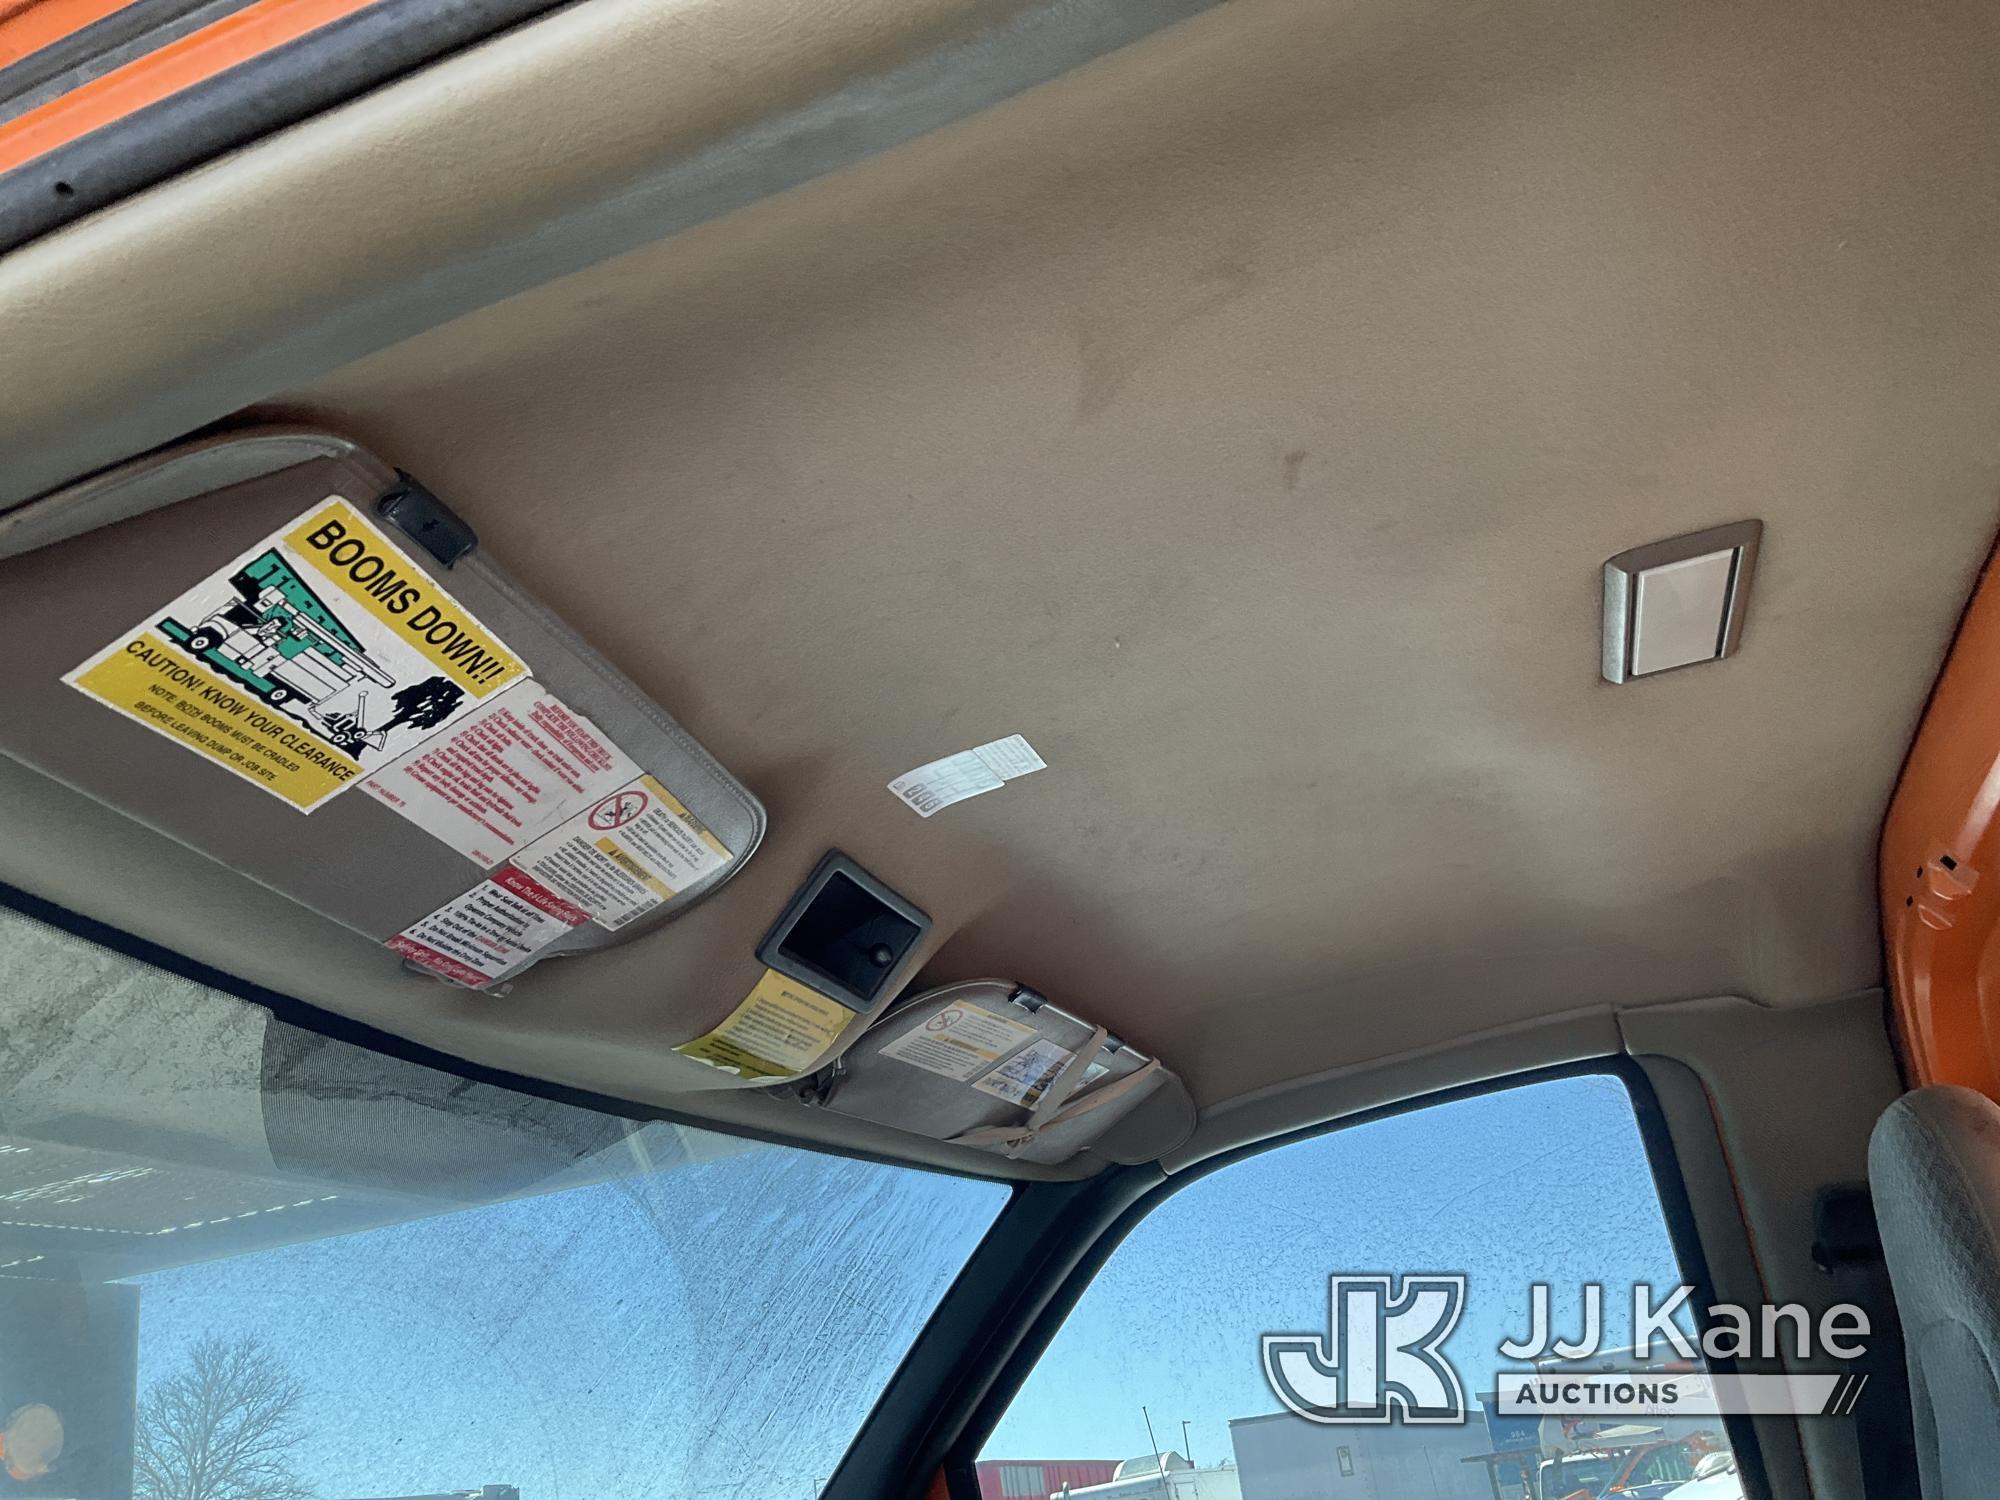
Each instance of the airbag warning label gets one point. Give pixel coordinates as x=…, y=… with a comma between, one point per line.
x=626, y=853
x=318, y=655
x=495, y=926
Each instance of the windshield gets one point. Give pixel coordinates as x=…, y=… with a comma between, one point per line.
x=241, y=1261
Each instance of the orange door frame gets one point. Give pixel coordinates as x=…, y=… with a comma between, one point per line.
x=1940, y=869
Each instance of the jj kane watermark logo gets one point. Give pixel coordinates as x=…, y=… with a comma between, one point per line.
x=1382, y=1354
x=1382, y=1357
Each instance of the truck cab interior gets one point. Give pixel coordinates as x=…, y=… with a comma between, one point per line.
x=768, y=750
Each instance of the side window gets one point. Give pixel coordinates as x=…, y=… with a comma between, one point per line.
x=1265, y=1333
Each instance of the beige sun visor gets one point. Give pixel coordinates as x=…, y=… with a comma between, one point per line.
x=991, y=1064
x=306, y=671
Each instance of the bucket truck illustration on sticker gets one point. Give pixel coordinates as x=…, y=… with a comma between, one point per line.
x=279, y=639
x=307, y=661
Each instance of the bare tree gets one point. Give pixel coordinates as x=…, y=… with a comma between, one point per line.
x=223, y=1428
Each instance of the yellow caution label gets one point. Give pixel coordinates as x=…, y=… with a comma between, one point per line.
x=626, y=853
x=782, y=1028
x=212, y=716
x=632, y=867
x=365, y=566
x=678, y=808
x=308, y=662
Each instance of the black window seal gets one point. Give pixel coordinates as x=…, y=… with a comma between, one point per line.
x=291, y=82
x=104, y=46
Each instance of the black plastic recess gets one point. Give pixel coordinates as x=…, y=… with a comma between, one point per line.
x=845, y=934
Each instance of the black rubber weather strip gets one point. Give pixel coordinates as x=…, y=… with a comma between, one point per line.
x=281, y=87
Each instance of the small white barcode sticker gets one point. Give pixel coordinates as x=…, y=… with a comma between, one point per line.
x=932, y=788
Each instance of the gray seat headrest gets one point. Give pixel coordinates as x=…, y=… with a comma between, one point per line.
x=1934, y=1167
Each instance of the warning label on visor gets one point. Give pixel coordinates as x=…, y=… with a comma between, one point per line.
x=509, y=772
x=626, y=853
x=781, y=1029
x=318, y=655
x=494, y=927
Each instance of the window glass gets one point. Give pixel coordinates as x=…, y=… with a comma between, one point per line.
x=1159, y=1384
x=239, y=1261
x=1662, y=1465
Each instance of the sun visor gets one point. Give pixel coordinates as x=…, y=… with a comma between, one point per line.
x=282, y=653
x=993, y=1065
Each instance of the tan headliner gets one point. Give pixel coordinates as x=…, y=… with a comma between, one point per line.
x=1243, y=418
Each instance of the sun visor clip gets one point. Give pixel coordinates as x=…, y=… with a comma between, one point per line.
x=427, y=521
x=818, y=1090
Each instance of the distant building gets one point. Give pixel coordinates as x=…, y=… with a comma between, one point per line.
x=1038, y=1478
x=1515, y=1448
x=1284, y=1457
